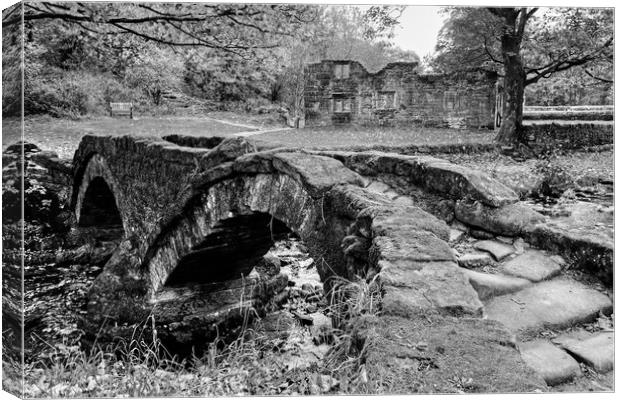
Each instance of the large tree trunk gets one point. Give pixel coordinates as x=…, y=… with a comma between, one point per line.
x=510, y=131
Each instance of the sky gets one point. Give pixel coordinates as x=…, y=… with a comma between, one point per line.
x=419, y=26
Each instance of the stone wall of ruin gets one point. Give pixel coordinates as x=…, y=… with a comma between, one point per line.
x=345, y=92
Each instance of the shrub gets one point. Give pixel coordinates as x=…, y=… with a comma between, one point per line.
x=555, y=178
x=153, y=74
x=74, y=94
x=551, y=138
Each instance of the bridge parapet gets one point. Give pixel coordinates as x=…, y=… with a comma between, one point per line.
x=433, y=174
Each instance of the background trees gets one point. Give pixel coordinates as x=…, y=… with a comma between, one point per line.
x=527, y=45
x=80, y=56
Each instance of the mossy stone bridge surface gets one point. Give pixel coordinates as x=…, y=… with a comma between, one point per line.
x=193, y=222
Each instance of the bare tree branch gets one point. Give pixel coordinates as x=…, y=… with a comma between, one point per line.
x=562, y=65
x=10, y=12
x=488, y=52
x=192, y=26
x=522, y=19
x=598, y=78
x=159, y=17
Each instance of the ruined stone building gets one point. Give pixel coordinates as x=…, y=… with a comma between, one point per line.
x=343, y=92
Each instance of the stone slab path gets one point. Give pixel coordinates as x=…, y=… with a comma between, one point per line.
x=532, y=265
x=553, y=364
x=386, y=190
x=490, y=285
x=498, y=250
x=556, y=304
x=596, y=351
x=526, y=290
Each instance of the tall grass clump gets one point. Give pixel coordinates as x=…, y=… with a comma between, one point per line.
x=141, y=366
x=132, y=367
x=351, y=304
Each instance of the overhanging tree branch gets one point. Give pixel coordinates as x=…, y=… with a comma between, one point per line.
x=11, y=11
x=562, y=65
x=158, y=17
x=223, y=27
x=598, y=78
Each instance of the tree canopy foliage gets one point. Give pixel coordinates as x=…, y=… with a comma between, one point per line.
x=525, y=46
x=553, y=40
x=217, y=26
x=79, y=56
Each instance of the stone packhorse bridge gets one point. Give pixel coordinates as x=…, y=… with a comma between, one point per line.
x=199, y=215
x=192, y=223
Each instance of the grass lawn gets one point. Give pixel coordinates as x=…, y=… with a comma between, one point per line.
x=63, y=136
x=600, y=164
x=344, y=136
x=584, y=168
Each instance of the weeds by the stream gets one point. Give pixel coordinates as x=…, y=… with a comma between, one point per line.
x=141, y=366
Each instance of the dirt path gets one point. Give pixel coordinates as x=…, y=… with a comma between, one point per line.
x=245, y=126
x=251, y=130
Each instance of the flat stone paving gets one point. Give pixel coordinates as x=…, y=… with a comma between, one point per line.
x=386, y=190
x=498, y=250
x=521, y=289
x=596, y=351
x=533, y=265
x=489, y=285
x=558, y=303
x=552, y=363
x=522, y=292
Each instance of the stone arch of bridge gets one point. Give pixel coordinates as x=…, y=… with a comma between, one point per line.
x=230, y=225
x=230, y=250
x=97, y=198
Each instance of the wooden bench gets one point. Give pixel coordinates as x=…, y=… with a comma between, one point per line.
x=121, y=109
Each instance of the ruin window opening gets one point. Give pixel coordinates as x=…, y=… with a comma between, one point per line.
x=337, y=105
x=346, y=105
x=411, y=97
x=451, y=100
x=386, y=100
x=341, y=71
x=341, y=103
